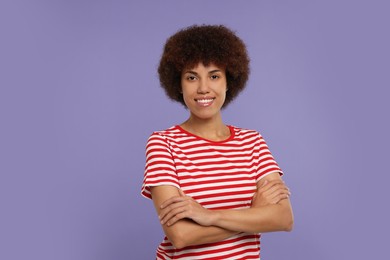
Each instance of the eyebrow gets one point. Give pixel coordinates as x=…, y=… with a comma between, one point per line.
x=210, y=72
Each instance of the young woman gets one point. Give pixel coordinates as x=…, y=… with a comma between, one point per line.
x=215, y=187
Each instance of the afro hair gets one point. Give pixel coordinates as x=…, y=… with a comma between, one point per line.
x=204, y=44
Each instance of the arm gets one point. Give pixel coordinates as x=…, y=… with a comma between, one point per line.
x=274, y=215
x=258, y=219
x=269, y=218
x=186, y=232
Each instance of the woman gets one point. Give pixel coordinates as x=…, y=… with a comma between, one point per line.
x=215, y=187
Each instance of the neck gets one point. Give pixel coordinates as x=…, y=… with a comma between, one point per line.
x=211, y=129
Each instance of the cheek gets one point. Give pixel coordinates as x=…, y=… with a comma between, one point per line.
x=186, y=98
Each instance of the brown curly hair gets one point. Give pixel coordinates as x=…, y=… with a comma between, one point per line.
x=207, y=44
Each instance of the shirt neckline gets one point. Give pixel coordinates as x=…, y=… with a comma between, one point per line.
x=231, y=129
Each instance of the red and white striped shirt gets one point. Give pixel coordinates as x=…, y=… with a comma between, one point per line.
x=218, y=175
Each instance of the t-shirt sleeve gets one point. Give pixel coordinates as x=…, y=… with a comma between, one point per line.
x=266, y=163
x=160, y=167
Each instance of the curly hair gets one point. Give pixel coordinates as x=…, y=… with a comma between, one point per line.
x=207, y=44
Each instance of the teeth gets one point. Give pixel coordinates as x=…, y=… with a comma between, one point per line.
x=204, y=100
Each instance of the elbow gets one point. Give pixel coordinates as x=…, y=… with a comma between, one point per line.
x=288, y=222
x=288, y=227
x=178, y=240
x=285, y=220
x=178, y=244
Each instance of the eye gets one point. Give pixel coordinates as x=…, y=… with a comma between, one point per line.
x=191, y=78
x=214, y=76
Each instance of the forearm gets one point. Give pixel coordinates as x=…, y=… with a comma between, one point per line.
x=187, y=233
x=277, y=217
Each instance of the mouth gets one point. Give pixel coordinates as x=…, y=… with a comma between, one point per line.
x=204, y=101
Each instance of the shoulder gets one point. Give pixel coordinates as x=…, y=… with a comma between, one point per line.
x=245, y=133
x=169, y=135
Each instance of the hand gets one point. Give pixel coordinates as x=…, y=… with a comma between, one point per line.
x=180, y=207
x=270, y=192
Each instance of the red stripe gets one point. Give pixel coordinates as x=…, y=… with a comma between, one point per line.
x=216, y=180
x=160, y=163
x=158, y=169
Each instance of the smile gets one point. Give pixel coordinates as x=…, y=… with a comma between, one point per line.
x=205, y=101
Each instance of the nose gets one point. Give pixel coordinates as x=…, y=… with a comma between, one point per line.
x=203, y=87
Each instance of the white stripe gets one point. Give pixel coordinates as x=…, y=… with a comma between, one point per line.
x=221, y=192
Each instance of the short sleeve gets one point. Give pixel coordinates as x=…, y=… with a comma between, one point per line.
x=159, y=167
x=266, y=162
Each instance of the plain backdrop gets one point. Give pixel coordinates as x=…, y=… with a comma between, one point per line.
x=80, y=95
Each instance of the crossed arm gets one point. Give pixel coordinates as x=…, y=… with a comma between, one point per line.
x=186, y=222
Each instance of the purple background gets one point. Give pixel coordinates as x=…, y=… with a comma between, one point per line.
x=80, y=95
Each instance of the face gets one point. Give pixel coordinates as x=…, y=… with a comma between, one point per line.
x=204, y=90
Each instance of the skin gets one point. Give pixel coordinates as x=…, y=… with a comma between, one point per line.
x=184, y=221
x=205, y=83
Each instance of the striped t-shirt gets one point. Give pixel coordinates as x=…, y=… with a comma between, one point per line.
x=217, y=174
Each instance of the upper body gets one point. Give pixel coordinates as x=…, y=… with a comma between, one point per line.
x=219, y=175
x=214, y=186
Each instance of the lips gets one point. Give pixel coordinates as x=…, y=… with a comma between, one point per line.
x=204, y=101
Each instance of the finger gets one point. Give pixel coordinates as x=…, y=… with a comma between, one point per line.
x=278, y=195
x=171, y=201
x=271, y=187
x=277, y=184
x=276, y=189
x=173, y=215
x=268, y=184
x=281, y=197
x=175, y=219
x=169, y=208
x=168, y=213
